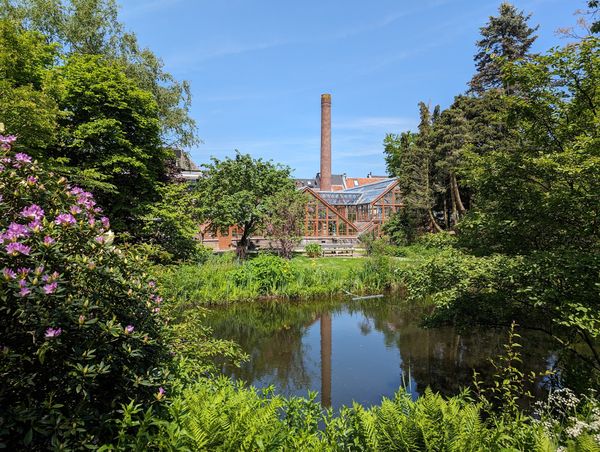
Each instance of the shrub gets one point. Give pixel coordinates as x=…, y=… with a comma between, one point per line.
x=267, y=273
x=439, y=240
x=313, y=250
x=79, y=334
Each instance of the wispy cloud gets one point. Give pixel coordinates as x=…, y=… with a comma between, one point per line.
x=376, y=123
x=188, y=58
x=360, y=153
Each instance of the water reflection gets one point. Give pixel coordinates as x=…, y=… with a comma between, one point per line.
x=360, y=351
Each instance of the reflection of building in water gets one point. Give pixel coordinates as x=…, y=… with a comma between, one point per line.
x=326, y=360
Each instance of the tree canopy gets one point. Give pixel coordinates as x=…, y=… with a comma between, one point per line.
x=506, y=37
x=236, y=192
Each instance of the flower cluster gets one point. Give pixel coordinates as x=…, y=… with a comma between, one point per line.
x=65, y=291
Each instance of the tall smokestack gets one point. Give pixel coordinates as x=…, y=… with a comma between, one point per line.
x=325, y=142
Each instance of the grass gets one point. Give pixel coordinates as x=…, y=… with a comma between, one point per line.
x=223, y=280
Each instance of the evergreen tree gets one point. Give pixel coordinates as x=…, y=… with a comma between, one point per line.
x=506, y=37
x=410, y=158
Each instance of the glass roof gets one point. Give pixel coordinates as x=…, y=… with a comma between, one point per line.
x=357, y=195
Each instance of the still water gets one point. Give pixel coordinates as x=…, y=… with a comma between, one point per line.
x=361, y=350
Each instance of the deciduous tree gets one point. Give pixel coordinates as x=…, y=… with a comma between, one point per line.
x=237, y=191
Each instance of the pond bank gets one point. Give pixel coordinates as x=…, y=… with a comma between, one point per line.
x=223, y=280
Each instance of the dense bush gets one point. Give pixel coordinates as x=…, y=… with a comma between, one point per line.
x=313, y=250
x=168, y=228
x=438, y=240
x=79, y=333
x=267, y=273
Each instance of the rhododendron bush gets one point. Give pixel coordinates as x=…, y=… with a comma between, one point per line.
x=79, y=319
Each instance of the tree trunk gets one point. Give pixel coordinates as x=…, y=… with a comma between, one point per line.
x=454, y=215
x=433, y=222
x=242, y=244
x=446, y=217
x=459, y=203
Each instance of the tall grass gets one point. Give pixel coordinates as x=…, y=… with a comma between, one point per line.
x=222, y=279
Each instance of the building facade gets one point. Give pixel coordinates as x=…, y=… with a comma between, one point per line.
x=339, y=208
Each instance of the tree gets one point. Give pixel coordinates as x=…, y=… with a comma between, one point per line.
x=541, y=191
x=28, y=106
x=236, y=192
x=505, y=38
x=109, y=135
x=91, y=27
x=416, y=170
x=285, y=219
x=169, y=227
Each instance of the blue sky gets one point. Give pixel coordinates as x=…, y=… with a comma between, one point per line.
x=257, y=68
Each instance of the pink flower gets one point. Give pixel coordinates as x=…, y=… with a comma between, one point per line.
x=86, y=201
x=152, y=283
x=100, y=239
x=35, y=226
x=9, y=274
x=65, y=219
x=23, y=272
x=105, y=222
x=32, y=180
x=39, y=270
x=49, y=241
x=92, y=221
x=75, y=210
x=14, y=232
x=76, y=191
x=7, y=139
x=156, y=310
x=15, y=248
x=129, y=329
x=53, y=332
x=34, y=212
x=50, y=288
x=24, y=292
x=160, y=394
x=21, y=157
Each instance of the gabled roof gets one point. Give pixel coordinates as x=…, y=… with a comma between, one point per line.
x=365, y=194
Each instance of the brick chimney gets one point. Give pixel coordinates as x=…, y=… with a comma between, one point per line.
x=325, y=142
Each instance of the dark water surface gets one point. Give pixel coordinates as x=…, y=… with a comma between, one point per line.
x=361, y=350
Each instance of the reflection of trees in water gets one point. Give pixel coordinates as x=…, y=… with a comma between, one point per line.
x=271, y=333
x=442, y=358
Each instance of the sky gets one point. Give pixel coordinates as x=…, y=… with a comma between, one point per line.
x=257, y=68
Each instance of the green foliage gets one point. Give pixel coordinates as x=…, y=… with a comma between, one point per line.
x=91, y=27
x=285, y=220
x=402, y=228
x=267, y=274
x=508, y=388
x=313, y=250
x=80, y=329
x=111, y=127
x=169, y=227
x=439, y=241
x=28, y=105
x=223, y=279
x=506, y=37
x=221, y=415
x=237, y=191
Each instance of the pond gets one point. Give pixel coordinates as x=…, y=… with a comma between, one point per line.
x=362, y=350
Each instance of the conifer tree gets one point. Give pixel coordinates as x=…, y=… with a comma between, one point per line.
x=506, y=37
